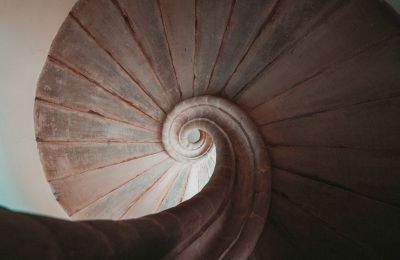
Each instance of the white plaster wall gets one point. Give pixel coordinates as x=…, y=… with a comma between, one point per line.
x=27, y=28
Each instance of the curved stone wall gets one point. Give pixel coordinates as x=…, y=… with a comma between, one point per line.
x=296, y=104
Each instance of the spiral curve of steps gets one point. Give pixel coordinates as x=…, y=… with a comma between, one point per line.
x=229, y=129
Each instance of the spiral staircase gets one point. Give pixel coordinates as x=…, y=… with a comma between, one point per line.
x=229, y=129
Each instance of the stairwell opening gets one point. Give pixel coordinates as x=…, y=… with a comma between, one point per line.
x=194, y=136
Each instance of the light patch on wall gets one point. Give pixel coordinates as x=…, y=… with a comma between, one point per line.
x=27, y=29
x=9, y=195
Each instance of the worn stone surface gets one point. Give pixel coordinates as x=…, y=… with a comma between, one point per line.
x=372, y=74
x=247, y=18
x=319, y=82
x=62, y=86
x=61, y=159
x=114, y=34
x=115, y=204
x=367, y=172
x=212, y=19
x=149, y=28
x=288, y=23
x=311, y=235
x=343, y=127
x=93, y=62
x=273, y=244
x=179, y=20
x=55, y=123
x=350, y=29
x=352, y=216
x=80, y=190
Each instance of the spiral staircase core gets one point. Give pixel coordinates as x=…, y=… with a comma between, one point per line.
x=229, y=129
